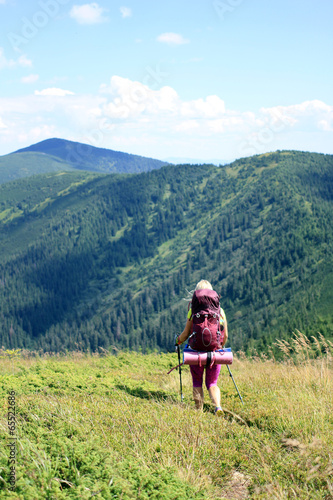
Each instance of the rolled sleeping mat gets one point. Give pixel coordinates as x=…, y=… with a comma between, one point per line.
x=220, y=357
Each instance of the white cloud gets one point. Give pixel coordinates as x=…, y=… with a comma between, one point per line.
x=30, y=79
x=38, y=133
x=134, y=99
x=33, y=118
x=22, y=61
x=305, y=114
x=129, y=116
x=4, y=62
x=172, y=39
x=187, y=126
x=299, y=126
x=90, y=13
x=211, y=107
x=53, y=91
x=326, y=125
x=125, y=12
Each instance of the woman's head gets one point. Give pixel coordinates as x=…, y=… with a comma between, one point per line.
x=203, y=284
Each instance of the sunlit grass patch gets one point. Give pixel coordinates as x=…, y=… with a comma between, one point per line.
x=113, y=426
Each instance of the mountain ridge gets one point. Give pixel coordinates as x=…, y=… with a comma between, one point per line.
x=60, y=154
x=100, y=260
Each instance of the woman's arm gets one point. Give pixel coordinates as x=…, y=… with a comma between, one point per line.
x=225, y=331
x=186, y=332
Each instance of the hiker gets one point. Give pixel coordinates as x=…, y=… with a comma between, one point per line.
x=212, y=373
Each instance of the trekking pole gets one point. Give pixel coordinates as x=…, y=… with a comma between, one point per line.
x=240, y=397
x=180, y=374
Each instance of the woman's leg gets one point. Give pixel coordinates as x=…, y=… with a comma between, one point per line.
x=212, y=374
x=197, y=378
x=198, y=396
x=215, y=395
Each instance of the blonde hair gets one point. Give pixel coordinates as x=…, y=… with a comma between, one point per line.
x=203, y=284
x=200, y=286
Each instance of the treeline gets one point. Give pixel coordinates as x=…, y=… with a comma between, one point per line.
x=109, y=262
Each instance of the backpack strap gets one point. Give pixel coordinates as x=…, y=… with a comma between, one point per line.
x=210, y=359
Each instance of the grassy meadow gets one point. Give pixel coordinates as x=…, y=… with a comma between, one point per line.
x=112, y=426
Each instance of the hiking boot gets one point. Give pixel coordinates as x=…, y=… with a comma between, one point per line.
x=218, y=411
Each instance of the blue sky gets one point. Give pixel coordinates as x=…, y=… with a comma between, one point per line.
x=204, y=79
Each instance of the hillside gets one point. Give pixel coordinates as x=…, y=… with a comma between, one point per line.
x=87, y=157
x=96, y=261
x=55, y=155
x=17, y=166
x=113, y=427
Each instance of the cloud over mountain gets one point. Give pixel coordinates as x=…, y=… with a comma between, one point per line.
x=130, y=116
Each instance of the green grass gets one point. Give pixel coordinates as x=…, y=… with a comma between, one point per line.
x=106, y=426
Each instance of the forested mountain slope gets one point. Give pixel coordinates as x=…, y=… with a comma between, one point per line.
x=87, y=157
x=97, y=261
x=54, y=155
x=17, y=166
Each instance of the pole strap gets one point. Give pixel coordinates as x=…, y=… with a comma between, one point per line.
x=174, y=368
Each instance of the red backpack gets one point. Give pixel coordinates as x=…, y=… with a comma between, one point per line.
x=205, y=335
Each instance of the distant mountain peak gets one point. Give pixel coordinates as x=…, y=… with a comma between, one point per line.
x=87, y=157
x=55, y=155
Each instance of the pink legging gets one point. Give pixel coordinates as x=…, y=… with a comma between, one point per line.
x=212, y=374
